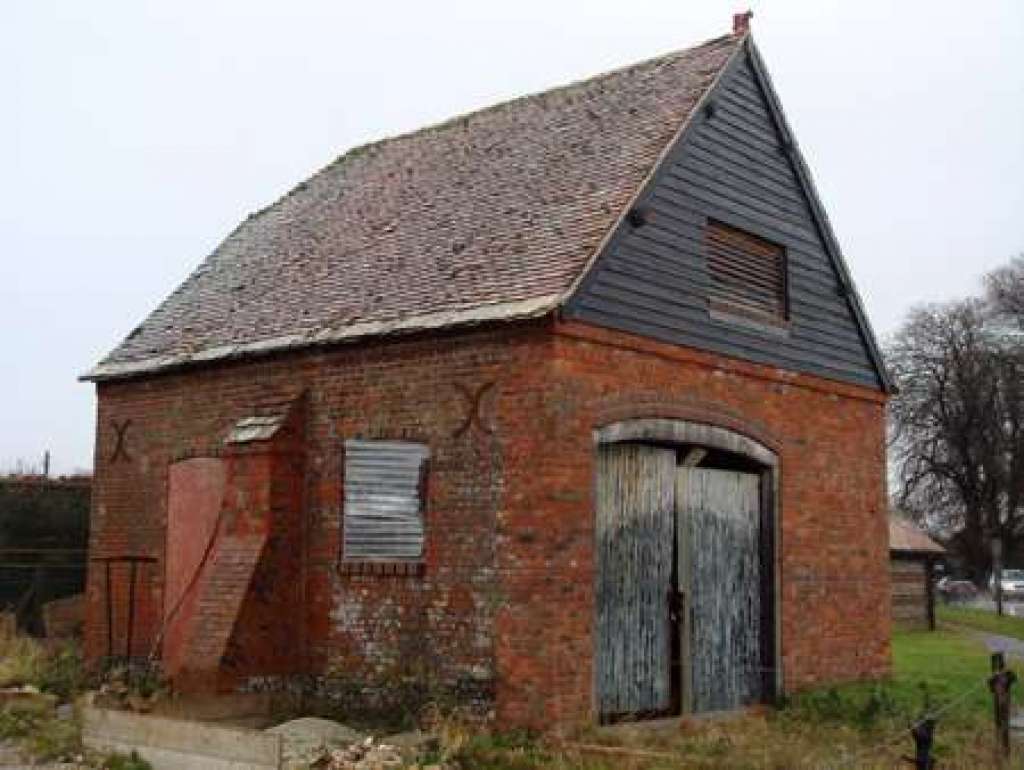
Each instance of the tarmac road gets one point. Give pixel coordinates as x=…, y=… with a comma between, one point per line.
x=1014, y=606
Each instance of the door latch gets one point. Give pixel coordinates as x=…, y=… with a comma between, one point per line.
x=676, y=603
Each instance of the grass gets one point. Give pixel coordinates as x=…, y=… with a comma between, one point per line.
x=56, y=669
x=861, y=725
x=32, y=722
x=125, y=762
x=34, y=728
x=929, y=669
x=981, y=620
x=21, y=660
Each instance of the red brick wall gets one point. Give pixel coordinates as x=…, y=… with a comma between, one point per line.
x=263, y=640
x=507, y=588
x=834, y=603
x=356, y=626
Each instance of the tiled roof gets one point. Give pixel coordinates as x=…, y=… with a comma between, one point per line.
x=905, y=536
x=493, y=215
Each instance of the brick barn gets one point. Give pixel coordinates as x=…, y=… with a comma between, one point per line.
x=568, y=404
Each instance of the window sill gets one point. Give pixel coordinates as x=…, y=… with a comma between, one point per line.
x=382, y=568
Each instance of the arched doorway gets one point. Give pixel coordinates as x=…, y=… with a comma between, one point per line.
x=685, y=569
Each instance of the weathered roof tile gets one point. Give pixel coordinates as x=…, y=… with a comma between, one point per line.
x=905, y=537
x=490, y=215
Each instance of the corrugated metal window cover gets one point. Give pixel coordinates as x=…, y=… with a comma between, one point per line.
x=747, y=273
x=383, y=517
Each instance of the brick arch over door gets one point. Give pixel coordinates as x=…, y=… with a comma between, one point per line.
x=677, y=431
x=687, y=415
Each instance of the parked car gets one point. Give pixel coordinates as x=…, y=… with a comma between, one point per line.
x=1012, y=582
x=954, y=590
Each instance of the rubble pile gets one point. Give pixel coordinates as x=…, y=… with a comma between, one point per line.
x=311, y=743
x=363, y=755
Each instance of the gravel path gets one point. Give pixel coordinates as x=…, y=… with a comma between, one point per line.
x=1012, y=648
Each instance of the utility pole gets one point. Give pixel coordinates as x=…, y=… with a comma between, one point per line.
x=997, y=572
x=46, y=464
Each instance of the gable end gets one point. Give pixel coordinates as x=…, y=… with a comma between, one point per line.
x=735, y=164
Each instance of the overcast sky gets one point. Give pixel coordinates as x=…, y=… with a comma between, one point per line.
x=135, y=135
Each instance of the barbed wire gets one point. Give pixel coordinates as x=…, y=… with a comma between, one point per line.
x=901, y=733
x=897, y=735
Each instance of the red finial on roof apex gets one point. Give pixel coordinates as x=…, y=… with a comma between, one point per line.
x=741, y=22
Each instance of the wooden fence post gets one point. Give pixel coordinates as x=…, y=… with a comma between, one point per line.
x=923, y=734
x=999, y=683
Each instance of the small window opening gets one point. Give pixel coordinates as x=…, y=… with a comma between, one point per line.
x=385, y=483
x=747, y=274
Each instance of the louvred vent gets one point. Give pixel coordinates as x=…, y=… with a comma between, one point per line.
x=747, y=274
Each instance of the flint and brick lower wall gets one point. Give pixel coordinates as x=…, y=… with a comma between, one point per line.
x=504, y=598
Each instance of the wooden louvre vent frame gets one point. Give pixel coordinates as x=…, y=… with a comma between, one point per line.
x=384, y=501
x=747, y=275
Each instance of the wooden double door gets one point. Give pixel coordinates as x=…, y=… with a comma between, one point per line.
x=682, y=587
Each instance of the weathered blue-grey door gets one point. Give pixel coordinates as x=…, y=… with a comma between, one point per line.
x=720, y=575
x=635, y=522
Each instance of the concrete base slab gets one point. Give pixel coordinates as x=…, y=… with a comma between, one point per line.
x=246, y=710
x=177, y=744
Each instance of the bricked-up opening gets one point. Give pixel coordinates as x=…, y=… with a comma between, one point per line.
x=747, y=274
x=195, y=497
x=384, y=500
x=234, y=597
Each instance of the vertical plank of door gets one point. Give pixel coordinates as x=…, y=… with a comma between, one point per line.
x=635, y=509
x=684, y=577
x=718, y=517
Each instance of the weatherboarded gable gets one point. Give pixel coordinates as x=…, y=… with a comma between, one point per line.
x=734, y=164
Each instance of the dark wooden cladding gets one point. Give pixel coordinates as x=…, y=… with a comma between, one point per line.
x=748, y=274
x=729, y=190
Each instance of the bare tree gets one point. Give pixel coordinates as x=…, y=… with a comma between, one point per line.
x=21, y=467
x=1004, y=288
x=957, y=435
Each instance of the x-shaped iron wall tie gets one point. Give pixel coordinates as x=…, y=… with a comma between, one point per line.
x=474, y=401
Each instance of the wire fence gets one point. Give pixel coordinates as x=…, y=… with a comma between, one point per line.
x=929, y=718
x=917, y=734
x=899, y=735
